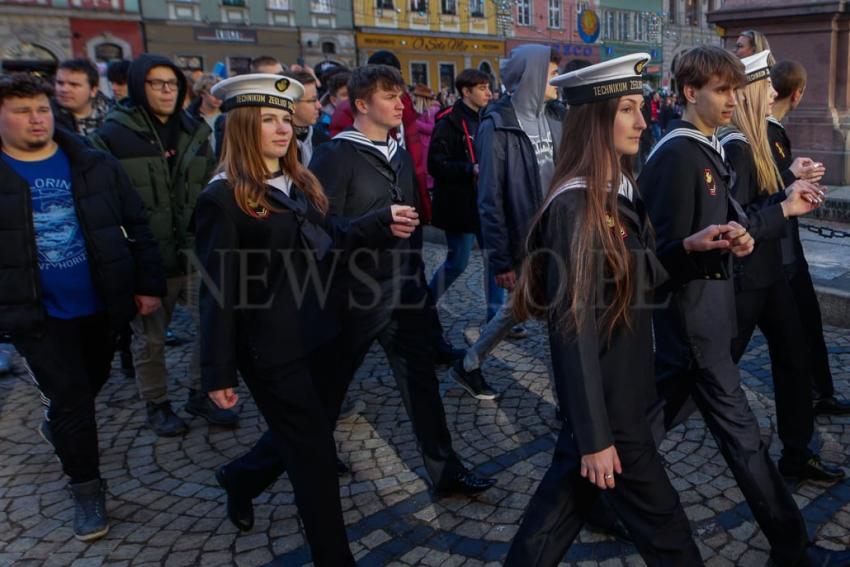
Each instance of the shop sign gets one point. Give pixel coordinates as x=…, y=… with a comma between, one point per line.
x=226, y=35
x=430, y=43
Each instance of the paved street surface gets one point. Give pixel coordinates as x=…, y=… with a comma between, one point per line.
x=166, y=508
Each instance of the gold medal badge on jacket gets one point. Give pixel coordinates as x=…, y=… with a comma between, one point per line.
x=709, y=182
x=779, y=149
x=610, y=220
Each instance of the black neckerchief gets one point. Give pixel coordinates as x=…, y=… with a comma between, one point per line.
x=312, y=236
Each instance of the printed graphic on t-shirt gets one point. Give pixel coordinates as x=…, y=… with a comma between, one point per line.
x=543, y=148
x=59, y=242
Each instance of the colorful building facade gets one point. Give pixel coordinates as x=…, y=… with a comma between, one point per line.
x=434, y=40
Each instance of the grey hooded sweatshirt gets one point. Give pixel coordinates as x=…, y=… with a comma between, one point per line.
x=525, y=76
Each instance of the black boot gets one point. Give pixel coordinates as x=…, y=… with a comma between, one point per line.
x=200, y=405
x=90, y=522
x=163, y=420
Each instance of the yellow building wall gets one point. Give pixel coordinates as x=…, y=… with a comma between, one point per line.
x=402, y=16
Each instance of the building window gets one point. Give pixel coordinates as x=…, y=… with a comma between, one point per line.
x=523, y=12
x=106, y=52
x=238, y=65
x=385, y=5
x=447, y=77
x=90, y=4
x=693, y=15
x=419, y=7
x=555, y=14
x=449, y=7
x=609, y=25
x=673, y=11
x=625, y=22
x=328, y=47
x=240, y=3
x=279, y=5
x=322, y=6
x=476, y=8
x=419, y=72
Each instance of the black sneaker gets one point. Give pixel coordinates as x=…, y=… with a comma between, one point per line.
x=200, y=405
x=472, y=381
x=518, y=332
x=163, y=420
x=90, y=522
x=831, y=405
x=813, y=469
x=465, y=483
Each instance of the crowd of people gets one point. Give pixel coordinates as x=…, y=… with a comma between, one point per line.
x=283, y=209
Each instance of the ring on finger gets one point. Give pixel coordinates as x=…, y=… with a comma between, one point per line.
x=609, y=476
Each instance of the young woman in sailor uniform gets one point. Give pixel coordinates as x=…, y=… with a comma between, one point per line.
x=763, y=296
x=263, y=243
x=590, y=272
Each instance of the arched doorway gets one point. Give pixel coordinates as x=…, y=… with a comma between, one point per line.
x=28, y=57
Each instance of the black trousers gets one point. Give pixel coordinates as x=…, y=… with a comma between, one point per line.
x=300, y=441
x=808, y=309
x=643, y=498
x=405, y=335
x=718, y=395
x=774, y=311
x=70, y=364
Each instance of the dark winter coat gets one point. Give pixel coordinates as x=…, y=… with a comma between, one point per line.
x=277, y=317
x=122, y=252
x=509, y=190
x=767, y=224
x=169, y=196
x=451, y=161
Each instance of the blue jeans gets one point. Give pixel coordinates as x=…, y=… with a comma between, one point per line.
x=459, y=248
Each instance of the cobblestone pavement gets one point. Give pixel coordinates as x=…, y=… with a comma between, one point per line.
x=166, y=508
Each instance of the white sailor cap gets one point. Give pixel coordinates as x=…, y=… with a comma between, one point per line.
x=757, y=66
x=609, y=79
x=258, y=89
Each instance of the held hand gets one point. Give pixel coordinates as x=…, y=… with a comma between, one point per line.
x=405, y=221
x=803, y=197
x=600, y=468
x=225, y=399
x=807, y=169
x=707, y=239
x=741, y=242
x=146, y=304
x=506, y=280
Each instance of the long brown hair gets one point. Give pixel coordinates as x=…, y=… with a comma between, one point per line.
x=586, y=150
x=242, y=162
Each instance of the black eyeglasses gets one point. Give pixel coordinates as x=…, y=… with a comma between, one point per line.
x=159, y=84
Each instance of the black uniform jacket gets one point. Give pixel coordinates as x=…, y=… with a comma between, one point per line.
x=603, y=387
x=358, y=179
x=780, y=145
x=685, y=184
x=763, y=267
x=265, y=280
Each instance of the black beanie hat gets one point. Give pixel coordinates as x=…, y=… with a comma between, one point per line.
x=385, y=58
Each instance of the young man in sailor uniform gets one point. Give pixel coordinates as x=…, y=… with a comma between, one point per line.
x=685, y=184
x=382, y=295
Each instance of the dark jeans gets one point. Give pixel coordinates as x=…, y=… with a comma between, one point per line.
x=774, y=311
x=808, y=308
x=403, y=333
x=643, y=498
x=300, y=442
x=70, y=363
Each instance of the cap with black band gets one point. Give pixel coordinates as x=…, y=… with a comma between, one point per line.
x=258, y=89
x=610, y=79
x=757, y=66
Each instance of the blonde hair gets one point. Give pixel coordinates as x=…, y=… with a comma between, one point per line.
x=204, y=82
x=750, y=117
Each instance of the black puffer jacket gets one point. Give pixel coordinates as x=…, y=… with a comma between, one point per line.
x=122, y=252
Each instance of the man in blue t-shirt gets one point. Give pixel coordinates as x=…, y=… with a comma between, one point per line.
x=78, y=262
